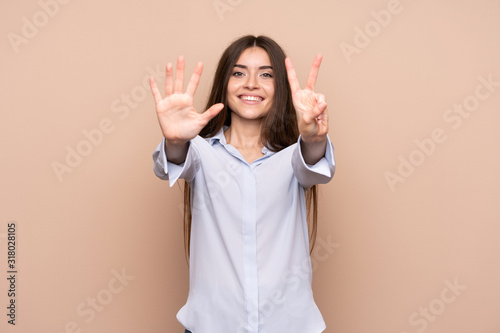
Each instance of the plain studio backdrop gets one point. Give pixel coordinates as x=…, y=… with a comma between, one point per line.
x=408, y=227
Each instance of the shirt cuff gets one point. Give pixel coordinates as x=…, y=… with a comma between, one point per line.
x=311, y=174
x=167, y=170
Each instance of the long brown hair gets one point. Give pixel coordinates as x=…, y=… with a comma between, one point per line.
x=279, y=126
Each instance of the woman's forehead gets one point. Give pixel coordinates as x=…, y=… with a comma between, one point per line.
x=254, y=57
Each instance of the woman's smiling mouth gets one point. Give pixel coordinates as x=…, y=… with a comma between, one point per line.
x=251, y=98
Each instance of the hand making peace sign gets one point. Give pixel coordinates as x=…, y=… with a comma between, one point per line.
x=312, y=115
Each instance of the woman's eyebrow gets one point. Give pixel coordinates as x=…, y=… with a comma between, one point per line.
x=261, y=67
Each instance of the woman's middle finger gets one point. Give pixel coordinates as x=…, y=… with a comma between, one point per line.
x=179, y=75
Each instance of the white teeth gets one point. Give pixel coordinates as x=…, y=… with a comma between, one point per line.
x=251, y=98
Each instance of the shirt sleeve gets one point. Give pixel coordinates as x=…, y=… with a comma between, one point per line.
x=170, y=171
x=319, y=173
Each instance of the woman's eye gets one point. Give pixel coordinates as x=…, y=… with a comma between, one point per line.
x=267, y=75
x=237, y=74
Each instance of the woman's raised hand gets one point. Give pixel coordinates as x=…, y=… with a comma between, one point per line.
x=312, y=115
x=179, y=121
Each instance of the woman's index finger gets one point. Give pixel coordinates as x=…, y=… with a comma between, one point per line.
x=292, y=76
x=313, y=74
x=195, y=79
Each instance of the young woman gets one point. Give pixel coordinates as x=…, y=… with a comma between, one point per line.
x=251, y=163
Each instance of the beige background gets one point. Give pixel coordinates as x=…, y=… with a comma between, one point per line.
x=395, y=247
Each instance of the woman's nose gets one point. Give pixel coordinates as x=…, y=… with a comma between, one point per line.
x=252, y=82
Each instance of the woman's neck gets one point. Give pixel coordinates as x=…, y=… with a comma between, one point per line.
x=244, y=133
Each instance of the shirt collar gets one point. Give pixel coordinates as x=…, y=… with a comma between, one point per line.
x=218, y=137
x=221, y=138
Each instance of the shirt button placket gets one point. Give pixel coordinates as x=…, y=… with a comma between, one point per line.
x=249, y=233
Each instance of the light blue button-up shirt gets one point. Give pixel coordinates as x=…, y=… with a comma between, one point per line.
x=250, y=270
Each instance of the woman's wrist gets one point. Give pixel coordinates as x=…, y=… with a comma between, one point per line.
x=313, y=149
x=176, y=151
x=314, y=139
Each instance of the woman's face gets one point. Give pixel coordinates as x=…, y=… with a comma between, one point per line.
x=250, y=90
